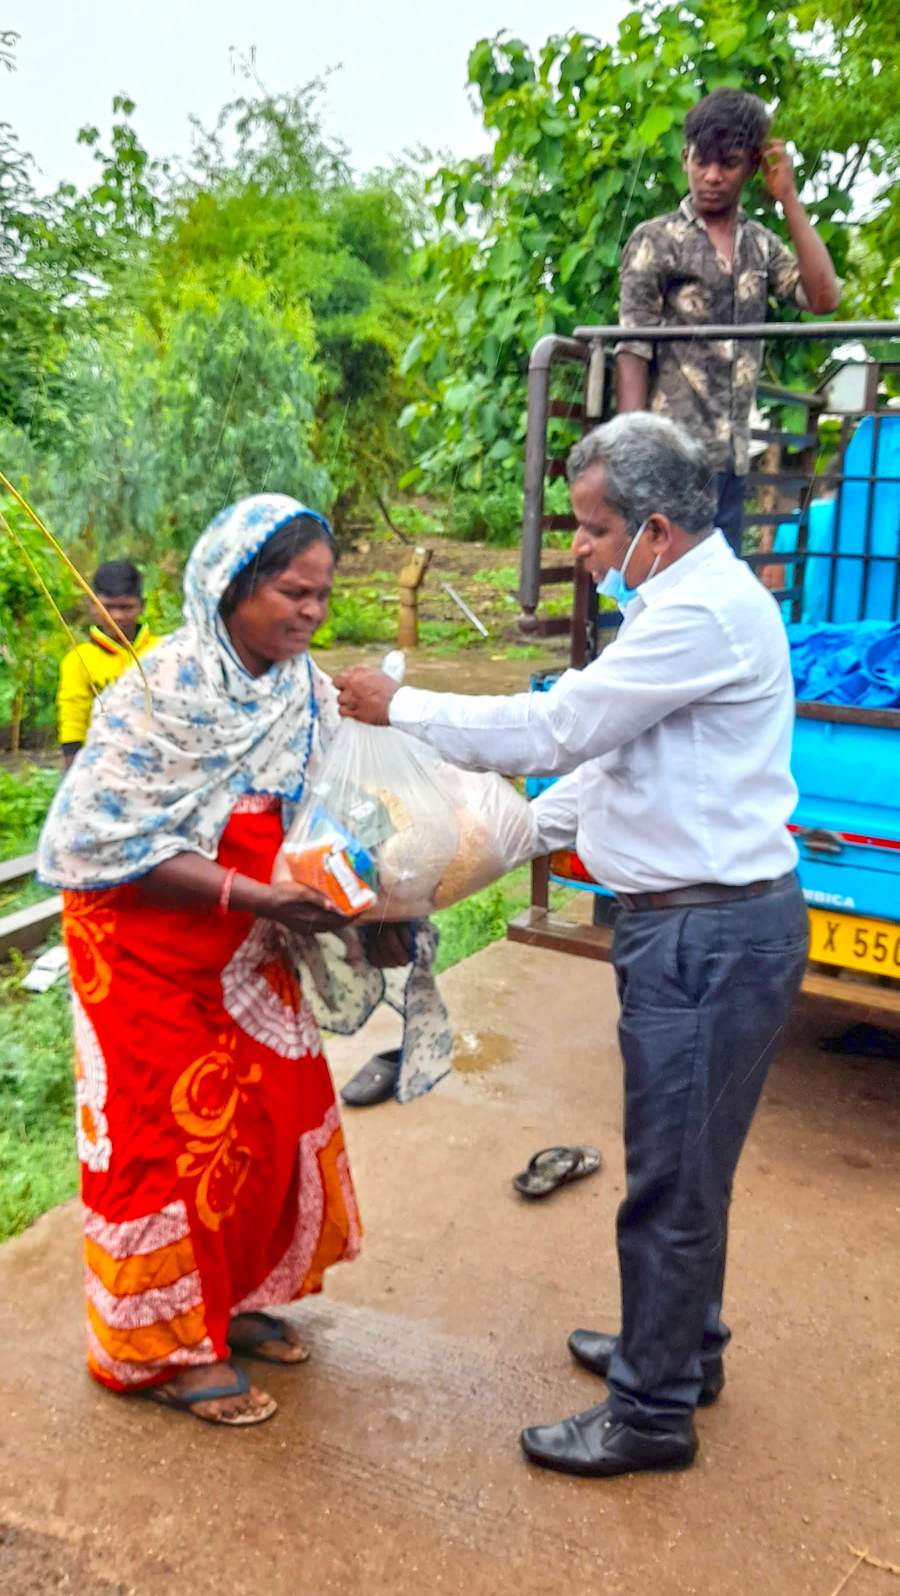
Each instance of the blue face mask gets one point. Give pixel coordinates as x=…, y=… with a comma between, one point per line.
x=614, y=585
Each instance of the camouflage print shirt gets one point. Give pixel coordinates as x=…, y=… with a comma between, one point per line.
x=671, y=275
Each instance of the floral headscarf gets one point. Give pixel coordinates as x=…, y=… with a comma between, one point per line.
x=164, y=762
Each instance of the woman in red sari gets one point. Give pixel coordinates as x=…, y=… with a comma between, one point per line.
x=215, y=1181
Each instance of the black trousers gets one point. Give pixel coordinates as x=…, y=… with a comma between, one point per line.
x=730, y=511
x=705, y=996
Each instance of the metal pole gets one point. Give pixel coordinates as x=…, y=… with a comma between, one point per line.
x=542, y=358
x=461, y=604
x=870, y=512
x=831, y=331
x=596, y=383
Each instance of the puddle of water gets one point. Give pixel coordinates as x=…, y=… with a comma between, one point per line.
x=478, y=1051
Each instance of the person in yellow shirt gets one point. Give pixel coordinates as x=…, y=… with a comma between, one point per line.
x=86, y=670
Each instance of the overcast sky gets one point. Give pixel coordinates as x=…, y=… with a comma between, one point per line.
x=401, y=81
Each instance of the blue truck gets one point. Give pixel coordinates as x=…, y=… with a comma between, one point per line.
x=827, y=543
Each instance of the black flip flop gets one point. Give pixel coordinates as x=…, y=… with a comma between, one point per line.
x=375, y=1082
x=554, y=1167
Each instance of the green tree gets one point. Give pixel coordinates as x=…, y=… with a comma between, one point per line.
x=850, y=112
x=60, y=254
x=162, y=423
x=27, y=315
x=176, y=337
x=268, y=189
x=31, y=639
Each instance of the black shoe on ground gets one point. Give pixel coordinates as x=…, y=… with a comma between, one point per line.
x=593, y=1349
x=375, y=1082
x=597, y=1444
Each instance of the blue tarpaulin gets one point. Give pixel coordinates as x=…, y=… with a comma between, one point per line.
x=857, y=664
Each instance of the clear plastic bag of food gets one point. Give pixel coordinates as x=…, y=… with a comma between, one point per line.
x=388, y=831
x=496, y=832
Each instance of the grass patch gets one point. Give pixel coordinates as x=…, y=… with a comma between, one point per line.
x=448, y=637
x=493, y=515
x=504, y=577
x=38, y=1165
x=415, y=522
x=467, y=927
x=25, y=797
x=21, y=895
x=523, y=651
x=361, y=615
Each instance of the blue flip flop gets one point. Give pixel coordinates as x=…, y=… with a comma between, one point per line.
x=268, y=1329
x=213, y=1393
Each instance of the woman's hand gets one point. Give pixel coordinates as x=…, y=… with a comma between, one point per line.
x=389, y=947
x=300, y=909
x=188, y=882
x=365, y=694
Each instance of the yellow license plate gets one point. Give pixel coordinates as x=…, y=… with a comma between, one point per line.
x=854, y=943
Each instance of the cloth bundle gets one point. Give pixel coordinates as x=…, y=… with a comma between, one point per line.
x=388, y=831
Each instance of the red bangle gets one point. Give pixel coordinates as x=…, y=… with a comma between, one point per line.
x=225, y=894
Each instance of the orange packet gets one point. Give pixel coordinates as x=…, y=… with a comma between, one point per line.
x=325, y=867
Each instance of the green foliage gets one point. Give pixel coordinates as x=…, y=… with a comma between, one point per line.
x=25, y=796
x=358, y=616
x=285, y=201
x=62, y=255
x=15, y=896
x=31, y=638
x=448, y=637
x=172, y=339
x=467, y=927
x=38, y=1166
x=492, y=516
x=157, y=431
x=587, y=144
x=416, y=522
x=851, y=111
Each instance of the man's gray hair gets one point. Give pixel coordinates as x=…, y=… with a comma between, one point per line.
x=650, y=464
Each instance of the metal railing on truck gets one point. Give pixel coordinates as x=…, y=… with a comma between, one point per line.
x=780, y=488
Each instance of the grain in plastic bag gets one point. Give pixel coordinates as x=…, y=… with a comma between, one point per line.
x=389, y=831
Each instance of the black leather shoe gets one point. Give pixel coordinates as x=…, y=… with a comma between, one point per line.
x=593, y=1349
x=598, y=1444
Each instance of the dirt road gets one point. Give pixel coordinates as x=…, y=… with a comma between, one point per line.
x=393, y=1464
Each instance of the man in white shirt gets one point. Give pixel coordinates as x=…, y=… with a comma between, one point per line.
x=674, y=753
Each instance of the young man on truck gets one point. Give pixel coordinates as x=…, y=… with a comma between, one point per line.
x=708, y=263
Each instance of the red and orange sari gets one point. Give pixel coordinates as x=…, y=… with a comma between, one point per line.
x=215, y=1179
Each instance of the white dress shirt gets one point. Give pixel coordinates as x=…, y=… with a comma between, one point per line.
x=674, y=745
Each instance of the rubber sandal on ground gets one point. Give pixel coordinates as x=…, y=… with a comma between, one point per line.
x=554, y=1167
x=266, y=1328
x=375, y=1082
x=213, y=1393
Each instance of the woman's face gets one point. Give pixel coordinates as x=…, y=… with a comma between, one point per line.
x=278, y=620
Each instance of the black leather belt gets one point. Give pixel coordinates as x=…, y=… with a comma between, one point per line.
x=695, y=897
